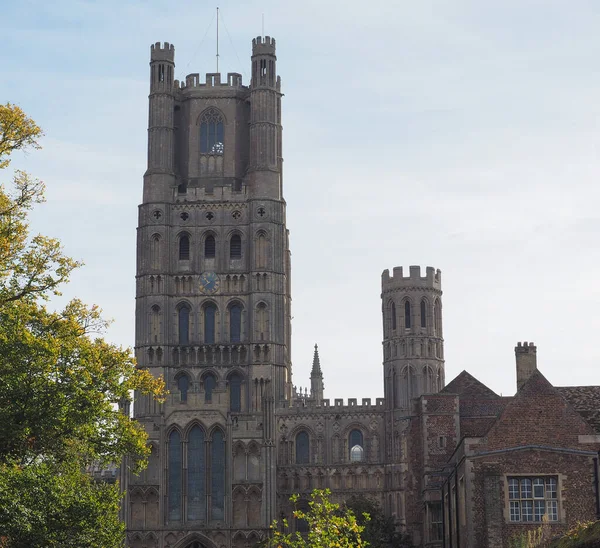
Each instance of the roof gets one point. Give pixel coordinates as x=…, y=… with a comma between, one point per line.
x=466, y=385
x=585, y=400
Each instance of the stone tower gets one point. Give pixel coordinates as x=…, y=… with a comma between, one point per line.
x=413, y=347
x=212, y=306
x=413, y=364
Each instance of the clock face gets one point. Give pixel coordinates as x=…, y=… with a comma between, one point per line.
x=209, y=282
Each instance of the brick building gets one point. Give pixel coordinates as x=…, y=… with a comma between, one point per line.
x=235, y=438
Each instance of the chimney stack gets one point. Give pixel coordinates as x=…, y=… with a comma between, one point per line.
x=526, y=355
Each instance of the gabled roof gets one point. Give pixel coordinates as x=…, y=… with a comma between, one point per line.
x=585, y=400
x=467, y=386
x=538, y=414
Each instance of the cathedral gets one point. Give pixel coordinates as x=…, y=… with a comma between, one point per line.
x=456, y=465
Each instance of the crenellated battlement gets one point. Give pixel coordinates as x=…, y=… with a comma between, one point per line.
x=338, y=404
x=162, y=52
x=212, y=80
x=432, y=278
x=263, y=45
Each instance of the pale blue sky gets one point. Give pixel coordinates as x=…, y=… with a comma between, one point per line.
x=458, y=134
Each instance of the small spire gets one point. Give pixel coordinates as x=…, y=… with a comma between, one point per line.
x=316, y=367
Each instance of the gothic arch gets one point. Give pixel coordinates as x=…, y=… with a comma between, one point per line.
x=213, y=429
x=188, y=428
x=430, y=381
x=189, y=540
x=410, y=384
x=213, y=111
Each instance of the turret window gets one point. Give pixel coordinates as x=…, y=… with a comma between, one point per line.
x=423, y=313
x=211, y=132
x=209, y=247
x=407, y=322
x=235, y=247
x=393, y=316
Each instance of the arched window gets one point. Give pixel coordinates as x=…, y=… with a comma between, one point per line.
x=410, y=385
x=235, y=323
x=430, y=380
x=183, y=384
x=437, y=318
x=183, y=316
x=155, y=251
x=196, y=475
x=261, y=250
x=407, y=314
x=235, y=393
x=184, y=247
x=211, y=132
x=209, y=247
x=302, y=448
x=235, y=247
x=210, y=312
x=423, y=313
x=218, y=476
x=355, y=443
x=175, y=464
x=154, y=323
x=262, y=322
x=210, y=382
x=393, y=316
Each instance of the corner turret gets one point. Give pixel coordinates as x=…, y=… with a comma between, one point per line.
x=265, y=166
x=159, y=177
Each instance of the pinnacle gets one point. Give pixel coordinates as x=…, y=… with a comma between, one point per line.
x=316, y=367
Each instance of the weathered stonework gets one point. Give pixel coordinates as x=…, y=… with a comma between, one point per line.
x=234, y=439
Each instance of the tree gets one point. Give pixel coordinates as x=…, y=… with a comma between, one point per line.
x=380, y=531
x=60, y=383
x=329, y=525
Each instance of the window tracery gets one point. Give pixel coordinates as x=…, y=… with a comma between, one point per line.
x=211, y=132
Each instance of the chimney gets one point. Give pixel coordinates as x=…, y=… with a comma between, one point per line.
x=526, y=355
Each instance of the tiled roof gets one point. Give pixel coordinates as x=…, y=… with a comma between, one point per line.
x=466, y=385
x=585, y=400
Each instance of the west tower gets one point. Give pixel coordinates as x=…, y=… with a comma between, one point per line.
x=212, y=305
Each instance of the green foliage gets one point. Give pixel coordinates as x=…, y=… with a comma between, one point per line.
x=57, y=506
x=380, y=530
x=582, y=535
x=59, y=387
x=329, y=526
